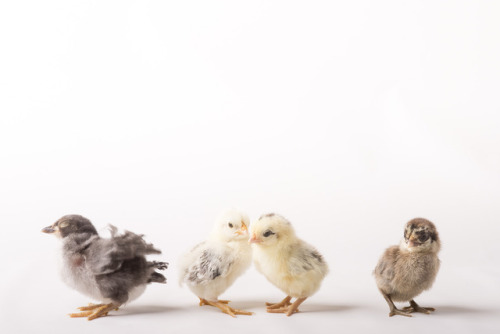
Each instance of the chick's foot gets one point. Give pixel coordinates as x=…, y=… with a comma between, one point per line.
x=94, y=311
x=204, y=301
x=414, y=307
x=287, y=308
x=222, y=305
x=393, y=310
x=396, y=311
x=282, y=304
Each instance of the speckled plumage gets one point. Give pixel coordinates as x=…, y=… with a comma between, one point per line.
x=213, y=265
x=113, y=270
x=405, y=271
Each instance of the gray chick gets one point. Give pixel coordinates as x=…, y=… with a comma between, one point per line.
x=114, y=271
x=404, y=271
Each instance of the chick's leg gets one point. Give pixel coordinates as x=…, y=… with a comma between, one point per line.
x=414, y=307
x=295, y=306
x=94, y=311
x=283, y=304
x=222, y=305
x=393, y=309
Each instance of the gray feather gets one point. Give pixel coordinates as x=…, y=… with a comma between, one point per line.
x=304, y=259
x=117, y=264
x=107, y=255
x=210, y=264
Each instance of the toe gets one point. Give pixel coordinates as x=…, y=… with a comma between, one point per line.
x=80, y=314
x=399, y=312
x=277, y=310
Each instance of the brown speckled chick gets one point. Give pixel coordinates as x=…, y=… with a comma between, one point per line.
x=404, y=271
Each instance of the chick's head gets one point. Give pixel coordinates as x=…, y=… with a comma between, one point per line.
x=70, y=224
x=420, y=235
x=231, y=225
x=271, y=229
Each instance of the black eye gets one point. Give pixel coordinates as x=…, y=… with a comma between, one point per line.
x=423, y=237
x=268, y=233
x=230, y=225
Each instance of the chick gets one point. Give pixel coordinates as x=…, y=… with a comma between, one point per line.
x=404, y=271
x=213, y=265
x=113, y=271
x=289, y=263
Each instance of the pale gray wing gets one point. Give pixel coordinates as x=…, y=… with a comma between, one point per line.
x=105, y=256
x=208, y=265
x=385, y=266
x=305, y=258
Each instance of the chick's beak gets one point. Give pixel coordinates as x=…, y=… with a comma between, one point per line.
x=243, y=230
x=254, y=239
x=413, y=241
x=48, y=229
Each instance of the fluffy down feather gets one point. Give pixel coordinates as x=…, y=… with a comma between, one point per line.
x=113, y=271
x=288, y=262
x=405, y=271
x=212, y=266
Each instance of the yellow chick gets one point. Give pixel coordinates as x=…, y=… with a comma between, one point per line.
x=291, y=264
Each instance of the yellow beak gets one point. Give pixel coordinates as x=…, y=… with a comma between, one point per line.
x=243, y=230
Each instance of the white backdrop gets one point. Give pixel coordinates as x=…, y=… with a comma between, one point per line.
x=348, y=118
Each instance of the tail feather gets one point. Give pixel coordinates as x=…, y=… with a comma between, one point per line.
x=158, y=265
x=157, y=278
x=130, y=244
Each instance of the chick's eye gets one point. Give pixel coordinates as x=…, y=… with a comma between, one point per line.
x=267, y=233
x=230, y=225
x=423, y=237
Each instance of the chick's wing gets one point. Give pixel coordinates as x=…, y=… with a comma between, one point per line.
x=304, y=258
x=209, y=263
x=385, y=267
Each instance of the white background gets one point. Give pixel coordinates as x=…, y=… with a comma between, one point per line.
x=348, y=118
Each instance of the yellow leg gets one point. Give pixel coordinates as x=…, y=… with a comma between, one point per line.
x=94, y=311
x=295, y=306
x=222, y=305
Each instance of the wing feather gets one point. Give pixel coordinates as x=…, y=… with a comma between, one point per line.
x=107, y=255
x=305, y=258
x=209, y=264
